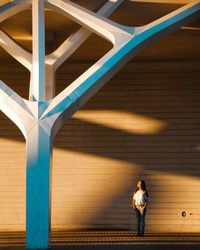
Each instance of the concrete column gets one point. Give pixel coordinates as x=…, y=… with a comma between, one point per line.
x=38, y=67
x=38, y=188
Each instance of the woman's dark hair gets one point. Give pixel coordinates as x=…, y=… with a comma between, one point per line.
x=143, y=186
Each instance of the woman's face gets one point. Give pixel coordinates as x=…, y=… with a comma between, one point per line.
x=139, y=184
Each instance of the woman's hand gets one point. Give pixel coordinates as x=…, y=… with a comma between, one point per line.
x=133, y=204
x=143, y=208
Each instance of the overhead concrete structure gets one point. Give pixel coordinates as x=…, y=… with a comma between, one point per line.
x=40, y=117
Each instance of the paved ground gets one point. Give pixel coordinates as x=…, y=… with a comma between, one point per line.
x=107, y=240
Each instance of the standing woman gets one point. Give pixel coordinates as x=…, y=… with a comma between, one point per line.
x=140, y=199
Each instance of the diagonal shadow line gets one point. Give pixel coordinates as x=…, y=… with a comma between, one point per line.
x=135, y=153
x=86, y=140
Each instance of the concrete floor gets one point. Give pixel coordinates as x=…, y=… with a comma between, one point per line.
x=106, y=240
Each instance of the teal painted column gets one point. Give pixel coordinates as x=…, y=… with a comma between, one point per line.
x=38, y=188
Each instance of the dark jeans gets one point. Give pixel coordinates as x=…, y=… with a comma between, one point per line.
x=140, y=216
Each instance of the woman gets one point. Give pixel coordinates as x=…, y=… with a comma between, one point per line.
x=140, y=199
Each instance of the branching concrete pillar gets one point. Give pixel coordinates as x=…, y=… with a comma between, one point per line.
x=43, y=114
